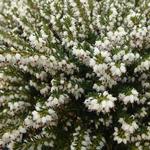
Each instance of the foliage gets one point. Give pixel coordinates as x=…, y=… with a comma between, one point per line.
x=75, y=74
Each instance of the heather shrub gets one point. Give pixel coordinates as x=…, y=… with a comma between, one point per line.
x=75, y=74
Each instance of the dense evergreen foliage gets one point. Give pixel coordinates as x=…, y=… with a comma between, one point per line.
x=75, y=74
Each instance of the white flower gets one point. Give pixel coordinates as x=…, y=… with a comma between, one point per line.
x=96, y=51
x=104, y=103
x=6, y=137
x=44, y=120
x=92, y=62
x=8, y=57
x=134, y=92
x=103, y=106
x=123, y=69
x=83, y=1
x=36, y=115
x=2, y=58
x=129, y=98
x=22, y=129
x=17, y=56
x=32, y=38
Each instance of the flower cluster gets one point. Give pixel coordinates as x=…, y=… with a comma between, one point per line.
x=75, y=74
x=131, y=98
x=103, y=103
